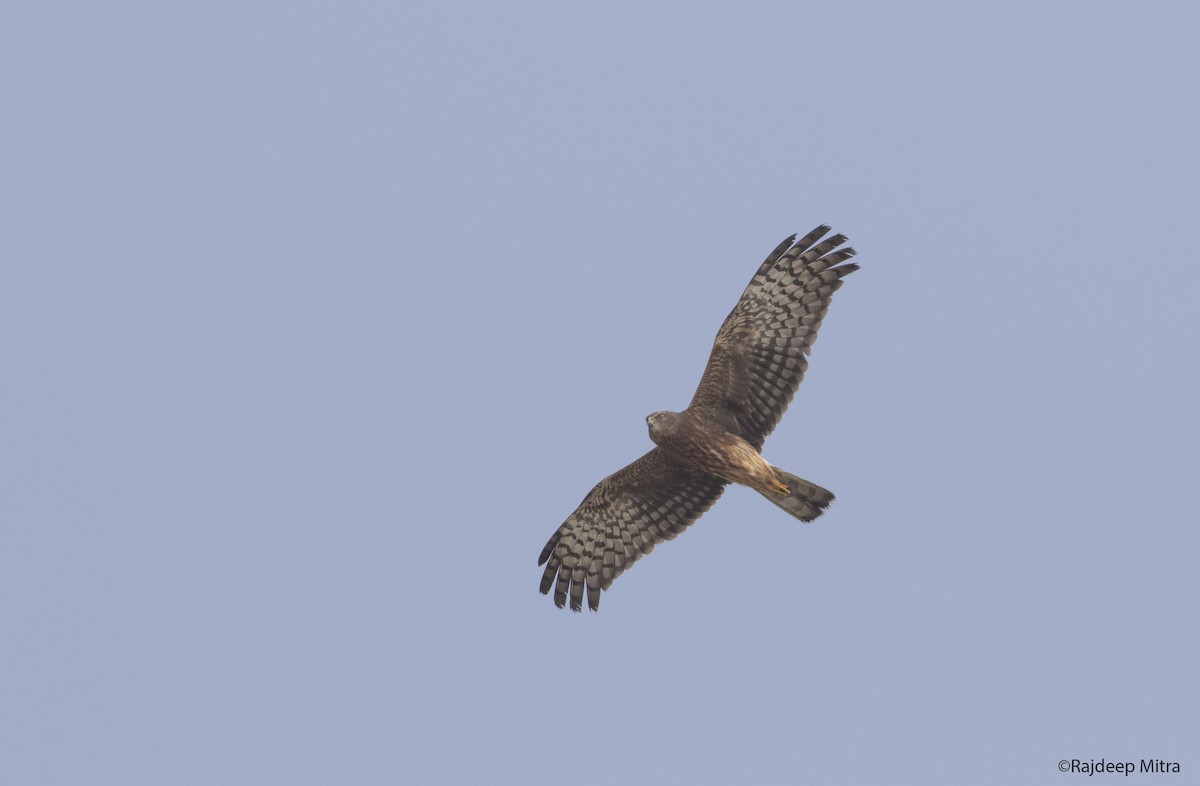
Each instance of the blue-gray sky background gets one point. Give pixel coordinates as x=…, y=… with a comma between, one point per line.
x=318, y=319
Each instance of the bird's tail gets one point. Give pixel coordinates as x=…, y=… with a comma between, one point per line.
x=804, y=500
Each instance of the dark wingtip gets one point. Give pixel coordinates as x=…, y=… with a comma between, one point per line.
x=809, y=240
x=548, y=549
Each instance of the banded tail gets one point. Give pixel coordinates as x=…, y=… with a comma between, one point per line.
x=804, y=500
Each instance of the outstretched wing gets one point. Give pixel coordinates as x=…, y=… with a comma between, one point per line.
x=758, y=358
x=625, y=516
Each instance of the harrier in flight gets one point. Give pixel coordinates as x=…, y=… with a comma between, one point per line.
x=757, y=362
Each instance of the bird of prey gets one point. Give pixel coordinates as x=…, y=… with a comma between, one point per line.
x=758, y=360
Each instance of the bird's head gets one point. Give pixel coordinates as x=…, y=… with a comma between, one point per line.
x=661, y=424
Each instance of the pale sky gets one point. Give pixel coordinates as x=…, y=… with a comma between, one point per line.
x=319, y=319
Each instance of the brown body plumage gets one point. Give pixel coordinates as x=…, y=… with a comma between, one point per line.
x=700, y=442
x=757, y=362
